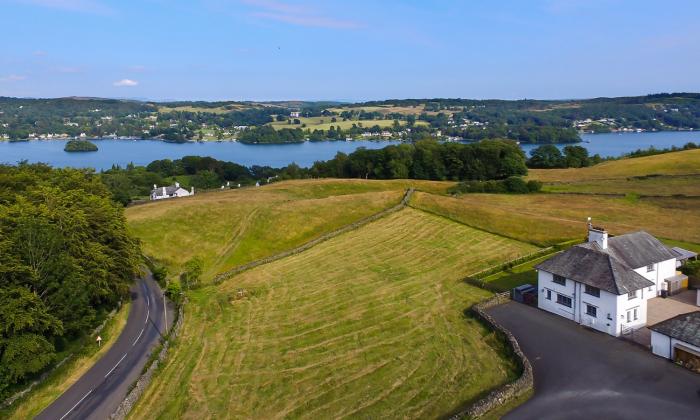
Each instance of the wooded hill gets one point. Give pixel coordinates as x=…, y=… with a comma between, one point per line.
x=529, y=121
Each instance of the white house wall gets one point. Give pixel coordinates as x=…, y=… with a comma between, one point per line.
x=545, y=282
x=611, y=313
x=663, y=345
x=661, y=272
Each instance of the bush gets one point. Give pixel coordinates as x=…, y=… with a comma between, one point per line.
x=691, y=268
x=534, y=186
x=516, y=185
x=174, y=292
x=510, y=185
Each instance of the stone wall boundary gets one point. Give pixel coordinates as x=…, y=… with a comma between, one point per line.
x=509, y=391
x=330, y=235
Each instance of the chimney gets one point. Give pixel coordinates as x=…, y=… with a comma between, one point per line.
x=192, y=191
x=164, y=193
x=598, y=235
x=155, y=187
x=177, y=185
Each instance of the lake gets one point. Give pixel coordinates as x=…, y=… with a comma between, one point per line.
x=142, y=152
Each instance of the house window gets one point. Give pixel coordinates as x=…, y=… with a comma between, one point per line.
x=634, y=313
x=592, y=311
x=609, y=316
x=650, y=268
x=549, y=295
x=632, y=295
x=559, y=280
x=564, y=300
x=593, y=291
x=629, y=316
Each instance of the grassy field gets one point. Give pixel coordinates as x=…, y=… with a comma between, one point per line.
x=229, y=228
x=677, y=163
x=369, y=324
x=667, y=174
x=324, y=123
x=552, y=218
x=67, y=374
x=386, y=109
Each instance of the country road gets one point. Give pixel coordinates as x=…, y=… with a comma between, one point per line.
x=99, y=391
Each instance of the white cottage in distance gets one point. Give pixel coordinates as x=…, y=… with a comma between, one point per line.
x=605, y=283
x=172, y=191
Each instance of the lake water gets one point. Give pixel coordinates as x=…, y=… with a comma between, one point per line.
x=142, y=152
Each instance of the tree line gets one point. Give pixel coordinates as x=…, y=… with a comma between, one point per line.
x=66, y=260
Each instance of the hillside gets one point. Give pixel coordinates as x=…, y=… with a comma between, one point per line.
x=676, y=173
x=369, y=323
x=527, y=121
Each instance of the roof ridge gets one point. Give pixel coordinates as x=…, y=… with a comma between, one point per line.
x=612, y=270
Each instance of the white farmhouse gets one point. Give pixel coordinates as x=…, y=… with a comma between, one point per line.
x=172, y=191
x=605, y=283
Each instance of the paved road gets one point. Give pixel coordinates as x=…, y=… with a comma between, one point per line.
x=100, y=390
x=582, y=374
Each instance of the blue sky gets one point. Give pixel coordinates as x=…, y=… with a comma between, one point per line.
x=348, y=50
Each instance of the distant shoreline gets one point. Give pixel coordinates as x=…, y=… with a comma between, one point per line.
x=378, y=140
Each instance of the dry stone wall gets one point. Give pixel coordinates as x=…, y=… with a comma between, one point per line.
x=509, y=391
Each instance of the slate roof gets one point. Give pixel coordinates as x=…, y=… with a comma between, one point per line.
x=683, y=254
x=635, y=250
x=594, y=267
x=170, y=190
x=684, y=327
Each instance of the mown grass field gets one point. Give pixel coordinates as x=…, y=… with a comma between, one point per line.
x=677, y=163
x=230, y=228
x=369, y=324
x=547, y=219
x=667, y=174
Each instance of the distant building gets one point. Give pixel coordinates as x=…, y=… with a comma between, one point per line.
x=172, y=191
x=295, y=114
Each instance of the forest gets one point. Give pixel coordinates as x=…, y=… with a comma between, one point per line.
x=66, y=260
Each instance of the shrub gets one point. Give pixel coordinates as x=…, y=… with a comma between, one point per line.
x=534, y=186
x=516, y=185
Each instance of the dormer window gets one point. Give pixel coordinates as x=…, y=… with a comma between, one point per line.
x=650, y=268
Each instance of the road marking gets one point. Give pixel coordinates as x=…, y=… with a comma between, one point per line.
x=76, y=404
x=137, y=338
x=115, y=366
x=148, y=313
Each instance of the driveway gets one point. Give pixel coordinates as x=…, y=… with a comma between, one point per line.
x=582, y=374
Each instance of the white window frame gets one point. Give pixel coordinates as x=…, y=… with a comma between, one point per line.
x=650, y=268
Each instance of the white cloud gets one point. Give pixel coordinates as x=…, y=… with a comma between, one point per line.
x=125, y=83
x=13, y=78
